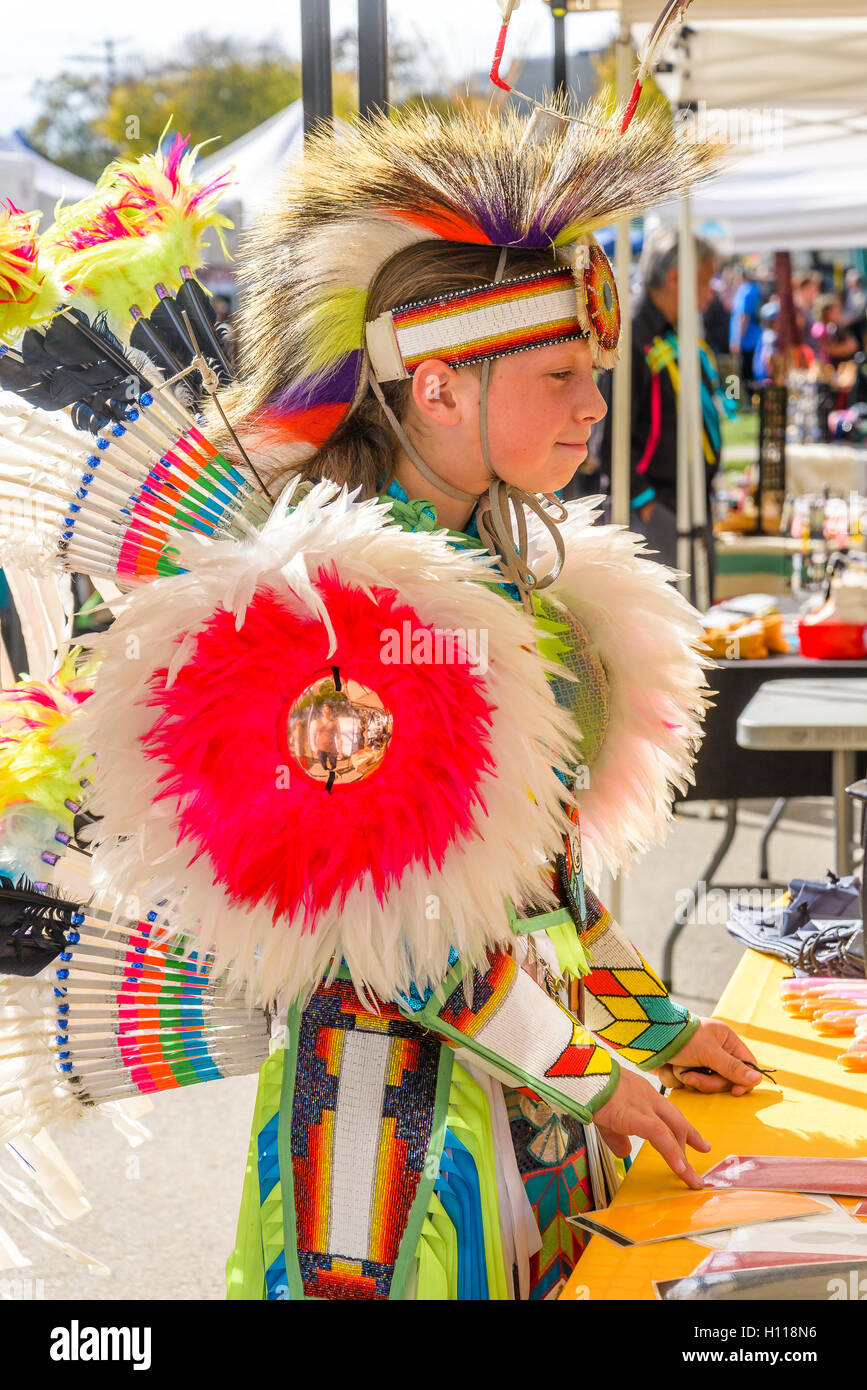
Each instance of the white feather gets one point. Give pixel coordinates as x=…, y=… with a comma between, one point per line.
x=386, y=946
x=646, y=634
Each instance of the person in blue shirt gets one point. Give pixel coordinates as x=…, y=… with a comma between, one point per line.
x=745, y=331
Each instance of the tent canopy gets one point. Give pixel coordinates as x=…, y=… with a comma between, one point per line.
x=791, y=64
x=258, y=158
x=790, y=98
x=33, y=181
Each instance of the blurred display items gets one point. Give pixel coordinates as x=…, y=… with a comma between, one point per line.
x=750, y=626
x=838, y=629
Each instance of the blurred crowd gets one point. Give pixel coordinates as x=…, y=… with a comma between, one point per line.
x=742, y=320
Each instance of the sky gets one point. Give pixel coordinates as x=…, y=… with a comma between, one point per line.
x=455, y=36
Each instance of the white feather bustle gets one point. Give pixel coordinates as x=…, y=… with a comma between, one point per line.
x=386, y=947
x=646, y=636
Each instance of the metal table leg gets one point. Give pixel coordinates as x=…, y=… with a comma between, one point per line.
x=843, y=773
x=773, y=819
x=700, y=887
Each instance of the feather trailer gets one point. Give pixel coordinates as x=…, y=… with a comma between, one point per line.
x=279, y=876
x=30, y=288
x=648, y=640
x=147, y=218
x=354, y=202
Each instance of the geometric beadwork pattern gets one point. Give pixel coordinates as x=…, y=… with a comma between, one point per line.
x=626, y=1004
x=505, y=1014
x=362, y=1116
x=571, y=872
x=552, y=1160
x=565, y=641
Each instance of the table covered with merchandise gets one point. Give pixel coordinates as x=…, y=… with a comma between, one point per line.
x=811, y=1106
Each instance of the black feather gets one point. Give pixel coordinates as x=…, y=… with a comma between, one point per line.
x=33, y=927
x=191, y=298
x=74, y=363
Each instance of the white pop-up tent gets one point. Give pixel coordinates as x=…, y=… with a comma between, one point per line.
x=800, y=63
x=33, y=182
x=258, y=159
x=808, y=194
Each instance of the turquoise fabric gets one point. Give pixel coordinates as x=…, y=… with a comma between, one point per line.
x=422, y=516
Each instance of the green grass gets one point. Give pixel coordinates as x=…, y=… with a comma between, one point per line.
x=742, y=430
x=740, y=438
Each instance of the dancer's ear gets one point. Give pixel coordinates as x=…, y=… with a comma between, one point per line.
x=438, y=393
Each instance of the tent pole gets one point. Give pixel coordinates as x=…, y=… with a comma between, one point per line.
x=621, y=402
x=372, y=56
x=621, y=406
x=691, y=512
x=316, y=63
x=561, y=76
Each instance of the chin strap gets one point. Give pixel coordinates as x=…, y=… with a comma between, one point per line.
x=502, y=524
x=423, y=468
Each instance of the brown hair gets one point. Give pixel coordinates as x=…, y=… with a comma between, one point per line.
x=361, y=450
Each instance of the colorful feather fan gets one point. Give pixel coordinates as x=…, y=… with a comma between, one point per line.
x=358, y=200
x=30, y=289
x=146, y=219
x=110, y=505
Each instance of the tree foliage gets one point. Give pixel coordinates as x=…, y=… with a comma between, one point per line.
x=606, y=70
x=209, y=87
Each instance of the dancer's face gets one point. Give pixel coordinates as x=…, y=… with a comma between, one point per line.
x=541, y=405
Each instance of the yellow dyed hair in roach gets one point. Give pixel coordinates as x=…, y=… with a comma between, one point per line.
x=147, y=218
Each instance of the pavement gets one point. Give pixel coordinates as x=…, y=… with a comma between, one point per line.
x=164, y=1214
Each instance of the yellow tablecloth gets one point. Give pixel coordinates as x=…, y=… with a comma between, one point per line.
x=816, y=1108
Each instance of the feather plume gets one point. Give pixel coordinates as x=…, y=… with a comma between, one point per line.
x=357, y=200
x=34, y=768
x=145, y=221
x=30, y=288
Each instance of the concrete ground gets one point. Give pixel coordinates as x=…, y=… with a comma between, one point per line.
x=164, y=1214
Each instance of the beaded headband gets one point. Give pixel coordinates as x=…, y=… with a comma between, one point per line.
x=532, y=311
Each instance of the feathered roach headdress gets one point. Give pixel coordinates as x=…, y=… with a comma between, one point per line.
x=356, y=201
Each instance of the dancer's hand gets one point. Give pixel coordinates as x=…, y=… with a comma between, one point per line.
x=716, y=1046
x=637, y=1108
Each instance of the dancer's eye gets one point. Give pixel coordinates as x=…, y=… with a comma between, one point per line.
x=562, y=376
